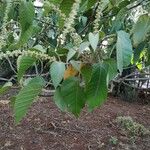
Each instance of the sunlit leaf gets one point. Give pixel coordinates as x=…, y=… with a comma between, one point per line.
x=59, y=101
x=26, y=97
x=124, y=50
x=24, y=63
x=86, y=72
x=94, y=39
x=70, y=54
x=112, y=68
x=140, y=29
x=57, y=70
x=73, y=95
x=96, y=89
x=66, y=6
x=5, y=87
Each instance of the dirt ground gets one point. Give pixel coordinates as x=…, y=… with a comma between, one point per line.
x=46, y=128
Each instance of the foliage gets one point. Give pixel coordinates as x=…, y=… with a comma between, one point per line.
x=113, y=140
x=134, y=128
x=83, y=43
x=26, y=97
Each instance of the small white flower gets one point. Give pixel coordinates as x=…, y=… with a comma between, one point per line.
x=38, y=3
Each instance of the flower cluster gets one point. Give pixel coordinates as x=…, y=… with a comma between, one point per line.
x=3, y=34
x=56, y=9
x=97, y=17
x=16, y=53
x=70, y=20
x=76, y=38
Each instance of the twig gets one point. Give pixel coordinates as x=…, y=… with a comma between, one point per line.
x=47, y=93
x=134, y=87
x=7, y=80
x=130, y=75
x=134, y=79
x=4, y=79
x=12, y=68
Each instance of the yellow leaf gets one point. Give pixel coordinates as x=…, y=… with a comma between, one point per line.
x=70, y=72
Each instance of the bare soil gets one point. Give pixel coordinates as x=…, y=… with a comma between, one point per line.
x=46, y=128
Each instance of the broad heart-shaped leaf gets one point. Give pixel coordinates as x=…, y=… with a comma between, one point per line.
x=5, y=87
x=83, y=47
x=66, y=6
x=26, y=97
x=124, y=50
x=24, y=63
x=57, y=70
x=140, y=29
x=96, y=89
x=70, y=54
x=93, y=39
x=73, y=95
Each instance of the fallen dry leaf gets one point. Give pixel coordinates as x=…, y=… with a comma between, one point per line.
x=4, y=102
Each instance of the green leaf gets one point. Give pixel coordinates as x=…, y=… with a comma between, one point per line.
x=83, y=47
x=116, y=2
x=73, y=95
x=12, y=101
x=57, y=70
x=112, y=68
x=26, y=14
x=94, y=39
x=76, y=65
x=104, y=4
x=55, y=1
x=124, y=50
x=96, y=89
x=70, y=54
x=118, y=23
x=24, y=63
x=24, y=37
x=28, y=26
x=26, y=97
x=86, y=72
x=66, y=6
x=59, y=101
x=140, y=29
x=5, y=87
x=138, y=50
x=39, y=48
x=91, y=3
